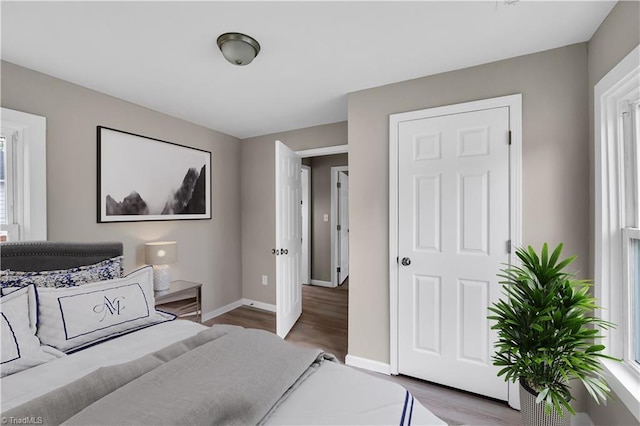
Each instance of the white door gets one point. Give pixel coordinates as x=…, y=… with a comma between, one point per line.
x=343, y=232
x=305, y=207
x=453, y=229
x=288, y=238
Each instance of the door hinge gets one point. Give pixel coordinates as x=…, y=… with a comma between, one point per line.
x=339, y=185
x=509, y=246
x=339, y=228
x=338, y=269
x=509, y=137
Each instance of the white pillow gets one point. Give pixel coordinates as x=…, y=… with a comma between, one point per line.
x=74, y=317
x=20, y=347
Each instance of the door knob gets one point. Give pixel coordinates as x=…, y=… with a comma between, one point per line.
x=284, y=251
x=406, y=261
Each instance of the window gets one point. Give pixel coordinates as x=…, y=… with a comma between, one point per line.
x=9, y=222
x=23, y=179
x=633, y=242
x=630, y=262
x=3, y=188
x=617, y=221
x=11, y=177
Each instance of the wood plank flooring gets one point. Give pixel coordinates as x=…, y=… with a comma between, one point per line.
x=324, y=324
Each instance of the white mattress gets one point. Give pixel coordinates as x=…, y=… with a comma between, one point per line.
x=335, y=394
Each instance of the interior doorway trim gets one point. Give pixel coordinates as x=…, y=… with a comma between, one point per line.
x=327, y=150
x=514, y=103
x=319, y=152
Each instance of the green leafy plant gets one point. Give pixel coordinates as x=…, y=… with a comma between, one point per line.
x=547, y=331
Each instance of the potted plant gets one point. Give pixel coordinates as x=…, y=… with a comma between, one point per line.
x=547, y=335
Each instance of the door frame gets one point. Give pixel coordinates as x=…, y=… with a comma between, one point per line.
x=319, y=152
x=514, y=103
x=335, y=238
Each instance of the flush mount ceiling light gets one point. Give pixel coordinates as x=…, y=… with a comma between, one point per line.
x=239, y=49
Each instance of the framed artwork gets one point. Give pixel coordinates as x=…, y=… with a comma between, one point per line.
x=144, y=179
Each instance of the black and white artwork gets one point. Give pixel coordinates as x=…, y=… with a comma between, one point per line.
x=142, y=179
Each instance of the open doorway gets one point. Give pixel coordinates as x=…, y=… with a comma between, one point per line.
x=329, y=229
x=289, y=234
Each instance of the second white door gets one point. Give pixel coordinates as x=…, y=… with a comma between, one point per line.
x=453, y=232
x=343, y=223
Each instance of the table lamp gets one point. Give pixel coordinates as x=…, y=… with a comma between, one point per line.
x=161, y=254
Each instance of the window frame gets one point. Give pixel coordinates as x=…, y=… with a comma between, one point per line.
x=30, y=198
x=611, y=98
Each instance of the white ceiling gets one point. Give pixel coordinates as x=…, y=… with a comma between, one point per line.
x=163, y=55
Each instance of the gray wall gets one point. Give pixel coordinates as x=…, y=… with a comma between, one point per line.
x=616, y=37
x=320, y=205
x=555, y=168
x=208, y=250
x=258, y=201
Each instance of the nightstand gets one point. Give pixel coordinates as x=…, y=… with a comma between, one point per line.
x=182, y=298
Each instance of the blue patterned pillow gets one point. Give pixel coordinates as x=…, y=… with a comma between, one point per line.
x=106, y=270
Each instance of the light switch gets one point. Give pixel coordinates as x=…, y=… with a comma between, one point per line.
x=326, y=217
x=264, y=280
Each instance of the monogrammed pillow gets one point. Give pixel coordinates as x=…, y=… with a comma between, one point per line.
x=74, y=317
x=20, y=347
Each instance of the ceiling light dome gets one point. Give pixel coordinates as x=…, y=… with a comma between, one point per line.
x=237, y=48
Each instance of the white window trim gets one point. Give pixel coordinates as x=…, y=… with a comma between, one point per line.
x=609, y=92
x=33, y=188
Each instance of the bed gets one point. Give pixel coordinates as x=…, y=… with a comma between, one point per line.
x=146, y=367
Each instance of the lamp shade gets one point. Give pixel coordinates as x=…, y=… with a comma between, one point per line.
x=161, y=252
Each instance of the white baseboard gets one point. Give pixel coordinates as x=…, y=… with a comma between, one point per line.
x=220, y=311
x=233, y=305
x=260, y=305
x=367, y=364
x=322, y=283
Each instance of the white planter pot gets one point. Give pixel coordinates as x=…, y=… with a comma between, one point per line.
x=534, y=414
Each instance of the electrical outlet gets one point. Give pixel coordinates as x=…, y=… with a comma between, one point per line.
x=264, y=280
x=326, y=217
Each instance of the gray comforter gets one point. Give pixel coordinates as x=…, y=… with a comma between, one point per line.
x=223, y=375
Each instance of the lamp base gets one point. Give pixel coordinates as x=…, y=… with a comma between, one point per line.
x=161, y=277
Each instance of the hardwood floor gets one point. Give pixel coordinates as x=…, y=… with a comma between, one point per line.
x=324, y=324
